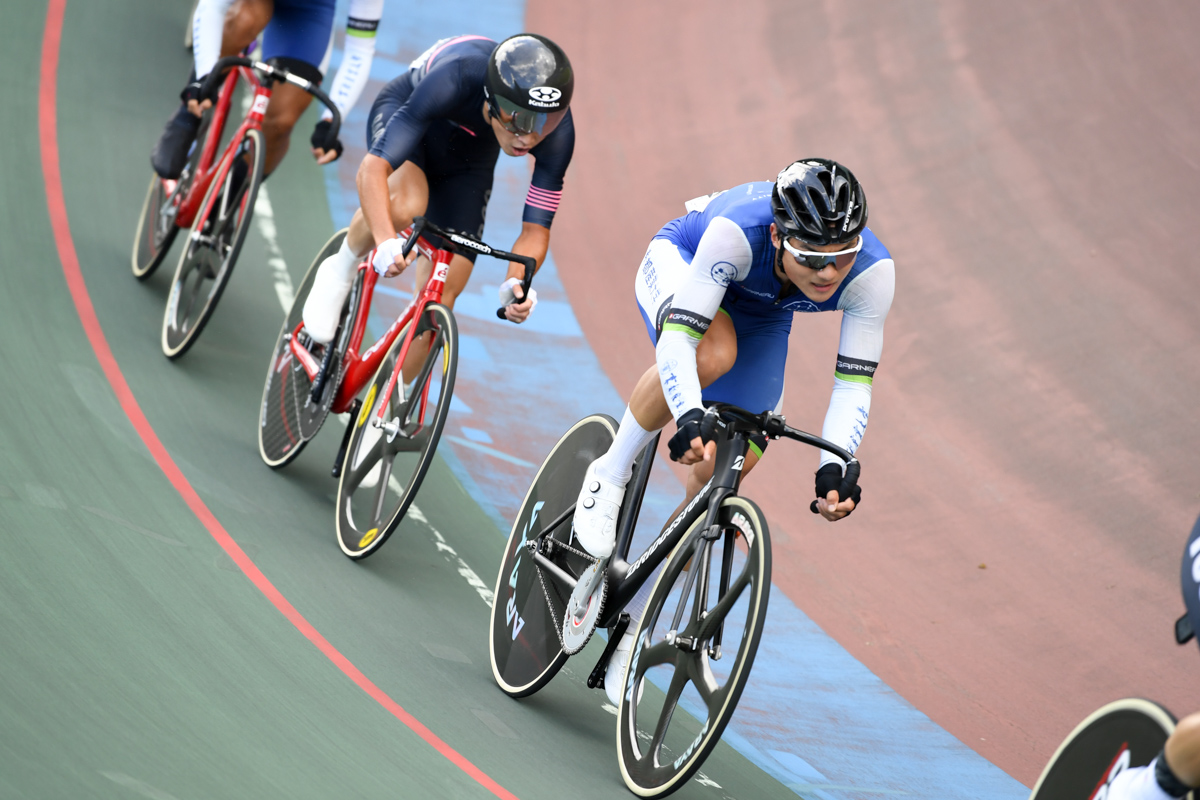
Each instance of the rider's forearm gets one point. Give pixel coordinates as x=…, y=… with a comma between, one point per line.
x=534, y=242
x=374, y=198
x=208, y=28
x=357, y=54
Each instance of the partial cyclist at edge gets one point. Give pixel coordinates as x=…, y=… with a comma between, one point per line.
x=718, y=289
x=297, y=36
x=434, y=136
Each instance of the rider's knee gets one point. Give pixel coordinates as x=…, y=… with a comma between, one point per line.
x=279, y=124
x=715, y=359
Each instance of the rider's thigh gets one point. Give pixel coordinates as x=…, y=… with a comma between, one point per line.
x=409, y=190
x=456, y=280
x=288, y=102
x=700, y=473
x=717, y=351
x=244, y=21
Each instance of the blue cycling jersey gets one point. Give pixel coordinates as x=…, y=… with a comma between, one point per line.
x=749, y=207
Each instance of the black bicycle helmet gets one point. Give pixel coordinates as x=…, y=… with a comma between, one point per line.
x=819, y=202
x=529, y=78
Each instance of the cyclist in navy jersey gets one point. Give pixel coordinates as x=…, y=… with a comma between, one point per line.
x=718, y=290
x=434, y=136
x=297, y=35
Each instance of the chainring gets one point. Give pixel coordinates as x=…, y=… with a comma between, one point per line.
x=584, y=607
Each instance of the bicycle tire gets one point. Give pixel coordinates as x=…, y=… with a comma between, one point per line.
x=288, y=419
x=1122, y=734
x=151, y=244
x=200, y=263
x=525, y=650
x=679, y=743
x=360, y=535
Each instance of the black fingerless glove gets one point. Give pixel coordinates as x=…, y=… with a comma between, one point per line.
x=193, y=92
x=829, y=478
x=321, y=138
x=691, y=424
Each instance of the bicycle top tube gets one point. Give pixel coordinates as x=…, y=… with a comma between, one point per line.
x=263, y=90
x=735, y=425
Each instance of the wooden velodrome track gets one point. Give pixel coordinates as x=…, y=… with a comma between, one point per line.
x=1033, y=169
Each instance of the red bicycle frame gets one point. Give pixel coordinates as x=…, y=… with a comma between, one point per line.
x=189, y=205
x=360, y=368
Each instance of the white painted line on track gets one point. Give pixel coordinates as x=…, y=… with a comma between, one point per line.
x=468, y=574
x=140, y=787
x=264, y=217
x=490, y=451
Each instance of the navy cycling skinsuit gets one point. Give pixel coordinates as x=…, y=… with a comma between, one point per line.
x=719, y=258
x=433, y=116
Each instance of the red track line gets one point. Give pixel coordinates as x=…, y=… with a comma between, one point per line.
x=48, y=134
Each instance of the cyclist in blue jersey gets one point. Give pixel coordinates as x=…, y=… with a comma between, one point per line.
x=718, y=290
x=297, y=35
x=435, y=134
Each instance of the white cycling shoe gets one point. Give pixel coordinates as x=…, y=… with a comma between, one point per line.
x=1136, y=783
x=323, y=306
x=596, y=512
x=614, y=673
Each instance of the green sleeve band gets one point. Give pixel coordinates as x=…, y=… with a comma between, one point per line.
x=692, y=332
x=852, y=378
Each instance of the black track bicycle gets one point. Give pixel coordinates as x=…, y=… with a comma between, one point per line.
x=695, y=644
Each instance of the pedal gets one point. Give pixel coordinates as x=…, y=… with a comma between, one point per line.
x=341, y=453
x=596, y=679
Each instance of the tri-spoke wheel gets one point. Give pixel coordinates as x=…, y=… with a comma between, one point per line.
x=529, y=605
x=212, y=246
x=156, y=227
x=693, y=649
x=290, y=415
x=385, y=463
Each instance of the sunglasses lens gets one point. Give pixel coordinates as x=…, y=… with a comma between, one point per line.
x=521, y=121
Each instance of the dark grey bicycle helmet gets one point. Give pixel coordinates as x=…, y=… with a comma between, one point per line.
x=529, y=78
x=819, y=202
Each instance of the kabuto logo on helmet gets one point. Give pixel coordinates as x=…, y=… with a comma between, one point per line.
x=546, y=94
x=544, y=97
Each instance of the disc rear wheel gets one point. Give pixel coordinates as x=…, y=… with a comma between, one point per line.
x=525, y=638
x=289, y=416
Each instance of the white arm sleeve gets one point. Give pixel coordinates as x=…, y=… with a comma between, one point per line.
x=723, y=256
x=208, y=28
x=864, y=306
x=357, y=54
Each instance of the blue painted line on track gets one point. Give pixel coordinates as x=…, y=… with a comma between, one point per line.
x=812, y=716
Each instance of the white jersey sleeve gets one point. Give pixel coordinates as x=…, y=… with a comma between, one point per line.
x=208, y=28
x=357, y=54
x=864, y=305
x=722, y=256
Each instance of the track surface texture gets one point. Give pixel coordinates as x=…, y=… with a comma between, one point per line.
x=1029, y=471
x=138, y=660
x=1030, y=468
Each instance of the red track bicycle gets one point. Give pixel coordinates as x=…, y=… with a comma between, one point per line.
x=214, y=197
x=394, y=430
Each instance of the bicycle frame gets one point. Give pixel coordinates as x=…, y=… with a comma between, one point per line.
x=188, y=206
x=360, y=368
